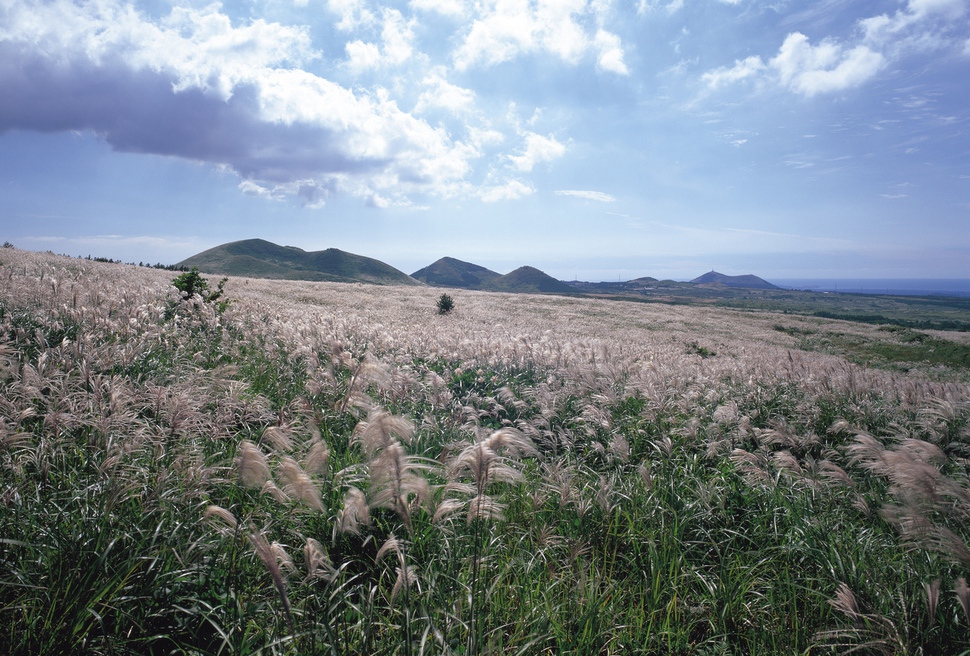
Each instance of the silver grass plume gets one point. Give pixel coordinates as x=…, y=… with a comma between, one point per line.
x=845, y=602
x=406, y=576
x=480, y=464
x=380, y=429
x=932, y=599
x=318, y=563
x=297, y=484
x=278, y=437
x=270, y=488
x=251, y=465
x=317, y=457
x=223, y=520
x=354, y=514
x=396, y=482
x=266, y=554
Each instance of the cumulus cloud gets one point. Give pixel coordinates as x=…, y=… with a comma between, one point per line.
x=537, y=149
x=194, y=85
x=442, y=94
x=833, y=65
x=823, y=68
x=587, y=195
x=610, y=53
x=511, y=190
x=397, y=36
x=506, y=29
x=362, y=56
x=805, y=68
x=444, y=7
x=352, y=13
x=742, y=70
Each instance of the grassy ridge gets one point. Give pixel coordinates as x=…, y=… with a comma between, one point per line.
x=325, y=478
x=259, y=258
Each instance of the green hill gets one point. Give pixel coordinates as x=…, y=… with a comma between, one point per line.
x=449, y=272
x=749, y=281
x=530, y=280
x=258, y=258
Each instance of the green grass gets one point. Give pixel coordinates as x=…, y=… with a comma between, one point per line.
x=897, y=347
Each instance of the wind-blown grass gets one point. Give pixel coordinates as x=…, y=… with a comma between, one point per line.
x=326, y=468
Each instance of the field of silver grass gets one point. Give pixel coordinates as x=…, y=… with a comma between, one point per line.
x=337, y=469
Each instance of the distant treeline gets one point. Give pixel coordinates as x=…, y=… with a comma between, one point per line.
x=158, y=265
x=108, y=260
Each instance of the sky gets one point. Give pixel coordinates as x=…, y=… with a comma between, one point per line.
x=593, y=139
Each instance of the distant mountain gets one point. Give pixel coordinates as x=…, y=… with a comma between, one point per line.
x=258, y=258
x=529, y=280
x=449, y=272
x=749, y=281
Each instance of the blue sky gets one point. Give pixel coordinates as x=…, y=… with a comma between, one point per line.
x=594, y=139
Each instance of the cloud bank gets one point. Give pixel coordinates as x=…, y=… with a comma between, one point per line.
x=257, y=96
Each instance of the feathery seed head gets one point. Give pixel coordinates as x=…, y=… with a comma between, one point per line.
x=278, y=437
x=845, y=602
x=355, y=512
x=251, y=465
x=297, y=485
x=317, y=458
x=379, y=430
x=222, y=519
x=318, y=563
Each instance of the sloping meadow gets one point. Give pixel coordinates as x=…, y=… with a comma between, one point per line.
x=338, y=469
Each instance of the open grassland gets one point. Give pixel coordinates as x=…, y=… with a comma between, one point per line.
x=337, y=469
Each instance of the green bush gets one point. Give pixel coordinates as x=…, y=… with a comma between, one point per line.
x=445, y=304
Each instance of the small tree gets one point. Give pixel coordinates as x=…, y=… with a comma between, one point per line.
x=445, y=304
x=192, y=282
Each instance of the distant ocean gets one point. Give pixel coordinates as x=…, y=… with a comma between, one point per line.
x=899, y=286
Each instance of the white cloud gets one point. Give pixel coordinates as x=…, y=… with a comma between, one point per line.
x=353, y=14
x=743, y=69
x=588, y=195
x=445, y=7
x=805, y=68
x=194, y=85
x=834, y=65
x=398, y=35
x=250, y=188
x=538, y=149
x=362, y=56
x=610, y=53
x=442, y=94
x=511, y=190
x=506, y=29
x=823, y=68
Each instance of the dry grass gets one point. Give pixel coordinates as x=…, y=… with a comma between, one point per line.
x=527, y=474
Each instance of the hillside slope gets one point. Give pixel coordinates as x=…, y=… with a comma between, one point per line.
x=258, y=258
x=748, y=281
x=449, y=272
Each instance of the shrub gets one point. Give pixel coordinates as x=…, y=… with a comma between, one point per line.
x=192, y=282
x=445, y=304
